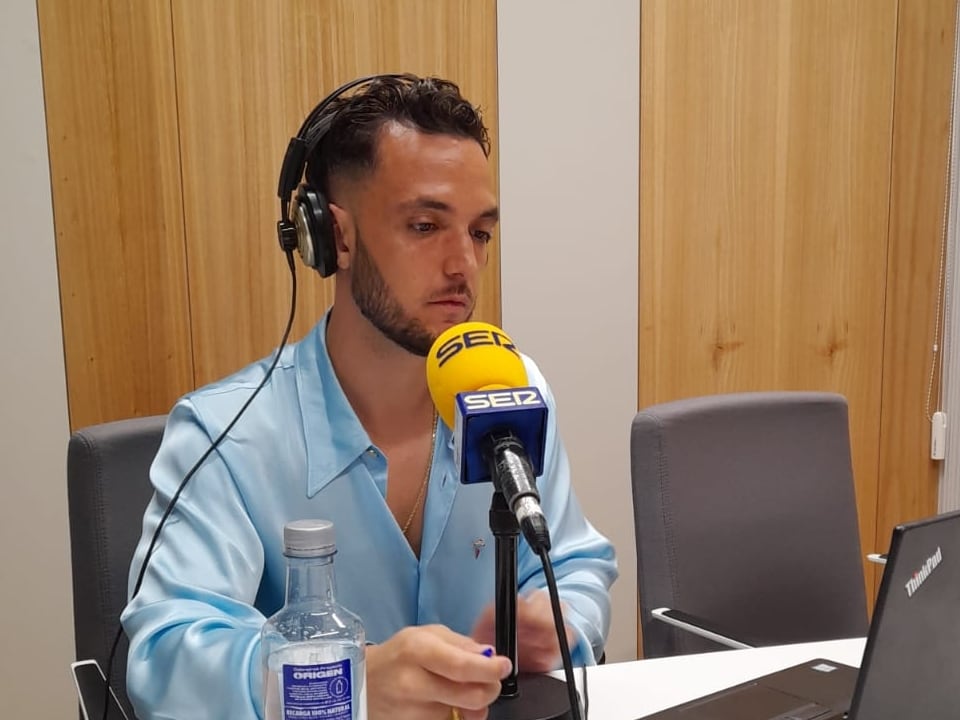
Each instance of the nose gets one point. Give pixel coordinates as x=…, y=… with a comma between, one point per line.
x=464, y=255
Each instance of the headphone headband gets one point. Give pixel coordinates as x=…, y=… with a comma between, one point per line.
x=302, y=144
x=307, y=225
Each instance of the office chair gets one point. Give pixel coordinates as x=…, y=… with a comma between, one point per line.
x=108, y=489
x=746, y=520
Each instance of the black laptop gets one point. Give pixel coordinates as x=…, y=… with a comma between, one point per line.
x=911, y=663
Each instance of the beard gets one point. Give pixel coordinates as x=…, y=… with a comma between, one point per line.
x=378, y=305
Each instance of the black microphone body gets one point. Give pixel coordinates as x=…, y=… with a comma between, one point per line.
x=514, y=478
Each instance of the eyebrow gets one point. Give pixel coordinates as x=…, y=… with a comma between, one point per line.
x=427, y=203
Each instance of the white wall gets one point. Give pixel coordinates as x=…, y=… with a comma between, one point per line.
x=569, y=135
x=35, y=595
x=949, y=490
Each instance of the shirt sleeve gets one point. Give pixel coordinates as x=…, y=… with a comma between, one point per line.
x=194, y=633
x=583, y=560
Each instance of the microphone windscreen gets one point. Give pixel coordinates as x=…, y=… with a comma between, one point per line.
x=471, y=356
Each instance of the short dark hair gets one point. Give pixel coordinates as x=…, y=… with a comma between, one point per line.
x=430, y=105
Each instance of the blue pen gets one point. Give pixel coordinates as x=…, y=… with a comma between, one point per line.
x=488, y=652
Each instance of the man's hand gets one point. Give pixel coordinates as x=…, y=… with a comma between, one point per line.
x=422, y=672
x=538, y=649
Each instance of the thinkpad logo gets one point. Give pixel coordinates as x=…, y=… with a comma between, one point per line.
x=921, y=575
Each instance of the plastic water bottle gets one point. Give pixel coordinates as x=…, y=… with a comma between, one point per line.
x=313, y=649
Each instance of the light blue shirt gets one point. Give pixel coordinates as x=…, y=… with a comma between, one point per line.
x=299, y=451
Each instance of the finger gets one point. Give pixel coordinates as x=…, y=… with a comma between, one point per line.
x=484, y=628
x=434, y=711
x=442, y=632
x=458, y=658
x=539, y=623
x=465, y=666
x=467, y=697
x=536, y=606
x=545, y=643
x=538, y=632
x=472, y=714
x=527, y=648
x=535, y=621
x=537, y=663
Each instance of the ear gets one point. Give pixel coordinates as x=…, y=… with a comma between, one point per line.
x=344, y=235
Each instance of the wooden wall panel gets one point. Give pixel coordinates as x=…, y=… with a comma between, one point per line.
x=765, y=165
x=921, y=126
x=115, y=171
x=167, y=124
x=246, y=77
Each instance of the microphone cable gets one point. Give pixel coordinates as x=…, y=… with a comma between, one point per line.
x=193, y=470
x=571, y=683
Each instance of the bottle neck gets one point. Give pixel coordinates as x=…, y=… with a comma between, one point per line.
x=310, y=578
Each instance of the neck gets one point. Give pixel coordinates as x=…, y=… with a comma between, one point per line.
x=385, y=384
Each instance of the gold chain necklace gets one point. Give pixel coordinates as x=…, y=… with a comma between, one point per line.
x=426, y=478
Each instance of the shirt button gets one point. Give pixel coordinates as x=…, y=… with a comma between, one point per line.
x=372, y=452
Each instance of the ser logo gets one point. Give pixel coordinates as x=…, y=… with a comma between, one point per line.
x=473, y=338
x=502, y=399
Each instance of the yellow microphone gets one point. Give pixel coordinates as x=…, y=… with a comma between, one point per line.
x=479, y=384
x=471, y=356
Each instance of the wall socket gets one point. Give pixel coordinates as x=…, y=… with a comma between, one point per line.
x=938, y=435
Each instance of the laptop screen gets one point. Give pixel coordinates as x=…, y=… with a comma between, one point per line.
x=912, y=660
x=912, y=657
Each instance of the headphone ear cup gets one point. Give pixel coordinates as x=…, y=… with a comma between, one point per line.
x=315, y=236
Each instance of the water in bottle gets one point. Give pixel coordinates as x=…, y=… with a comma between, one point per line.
x=312, y=648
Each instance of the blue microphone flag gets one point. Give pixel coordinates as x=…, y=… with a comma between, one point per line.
x=520, y=410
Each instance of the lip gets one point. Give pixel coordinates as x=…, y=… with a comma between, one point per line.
x=453, y=300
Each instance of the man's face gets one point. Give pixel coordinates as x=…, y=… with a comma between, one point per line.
x=422, y=222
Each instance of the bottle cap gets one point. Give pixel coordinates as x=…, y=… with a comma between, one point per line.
x=309, y=538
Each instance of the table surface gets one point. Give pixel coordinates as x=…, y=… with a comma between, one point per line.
x=630, y=690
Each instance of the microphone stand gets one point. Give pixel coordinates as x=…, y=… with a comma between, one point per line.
x=527, y=696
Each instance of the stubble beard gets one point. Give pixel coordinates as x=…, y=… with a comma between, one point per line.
x=378, y=305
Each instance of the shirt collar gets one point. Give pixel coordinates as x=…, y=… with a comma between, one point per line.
x=334, y=436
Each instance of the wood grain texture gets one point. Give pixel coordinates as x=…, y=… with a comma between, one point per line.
x=115, y=173
x=921, y=125
x=765, y=179
x=247, y=75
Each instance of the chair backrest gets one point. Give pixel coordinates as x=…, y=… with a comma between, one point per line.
x=745, y=514
x=108, y=488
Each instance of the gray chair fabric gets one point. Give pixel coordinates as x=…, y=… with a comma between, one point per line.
x=108, y=489
x=745, y=514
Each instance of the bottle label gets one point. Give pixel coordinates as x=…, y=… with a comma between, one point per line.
x=317, y=692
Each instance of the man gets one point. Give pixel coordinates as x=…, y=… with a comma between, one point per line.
x=345, y=429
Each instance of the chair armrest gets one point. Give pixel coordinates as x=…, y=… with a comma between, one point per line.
x=697, y=626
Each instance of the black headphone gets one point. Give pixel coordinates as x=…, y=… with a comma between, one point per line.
x=306, y=225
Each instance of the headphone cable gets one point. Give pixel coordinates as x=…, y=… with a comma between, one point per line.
x=193, y=470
